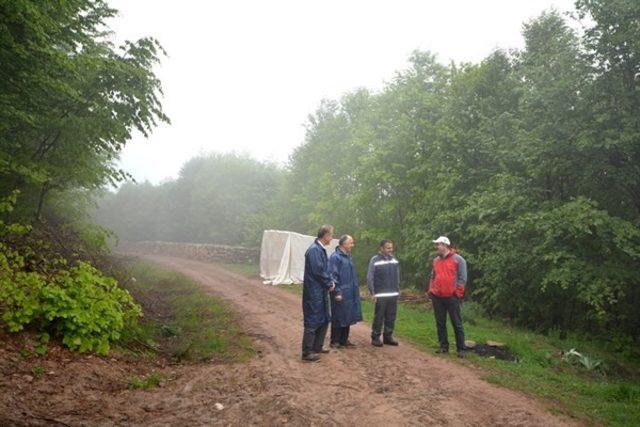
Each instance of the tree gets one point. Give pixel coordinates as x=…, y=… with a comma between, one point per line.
x=69, y=99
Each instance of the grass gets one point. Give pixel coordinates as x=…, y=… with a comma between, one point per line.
x=595, y=396
x=251, y=271
x=181, y=321
x=609, y=396
x=145, y=383
x=37, y=370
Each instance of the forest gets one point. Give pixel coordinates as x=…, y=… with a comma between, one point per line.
x=527, y=160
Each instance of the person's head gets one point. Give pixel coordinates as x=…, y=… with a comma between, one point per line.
x=325, y=234
x=386, y=247
x=442, y=245
x=346, y=243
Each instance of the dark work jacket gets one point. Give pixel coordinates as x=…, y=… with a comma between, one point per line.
x=316, y=284
x=346, y=312
x=383, y=277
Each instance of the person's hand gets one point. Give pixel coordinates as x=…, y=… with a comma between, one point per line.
x=338, y=298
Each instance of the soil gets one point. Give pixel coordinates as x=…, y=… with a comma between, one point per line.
x=364, y=385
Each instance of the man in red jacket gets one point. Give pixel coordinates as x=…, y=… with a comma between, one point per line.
x=446, y=288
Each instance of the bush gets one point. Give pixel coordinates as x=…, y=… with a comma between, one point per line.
x=86, y=309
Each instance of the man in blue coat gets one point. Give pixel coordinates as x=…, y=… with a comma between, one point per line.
x=345, y=299
x=317, y=284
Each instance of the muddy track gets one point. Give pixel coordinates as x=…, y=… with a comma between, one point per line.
x=362, y=386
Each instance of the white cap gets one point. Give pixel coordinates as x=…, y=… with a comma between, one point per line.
x=442, y=239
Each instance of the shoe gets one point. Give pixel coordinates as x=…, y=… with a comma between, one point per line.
x=348, y=344
x=376, y=342
x=462, y=354
x=442, y=351
x=335, y=345
x=323, y=350
x=390, y=340
x=311, y=357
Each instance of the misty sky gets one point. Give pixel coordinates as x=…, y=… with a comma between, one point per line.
x=244, y=75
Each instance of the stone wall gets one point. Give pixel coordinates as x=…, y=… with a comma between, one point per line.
x=196, y=251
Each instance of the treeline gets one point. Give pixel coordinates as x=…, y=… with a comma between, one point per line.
x=213, y=200
x=528, y=161
x=69, y=100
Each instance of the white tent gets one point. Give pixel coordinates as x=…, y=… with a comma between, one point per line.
x=282, y=256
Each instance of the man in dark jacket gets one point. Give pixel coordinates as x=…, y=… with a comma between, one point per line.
x=446, y=288
x=317, y=284
x=383, y=280
x=345, y=299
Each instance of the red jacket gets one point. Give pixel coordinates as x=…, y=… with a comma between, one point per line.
x=449, y=275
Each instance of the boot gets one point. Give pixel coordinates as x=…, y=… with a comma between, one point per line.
x=311, y=357
x=390, y=340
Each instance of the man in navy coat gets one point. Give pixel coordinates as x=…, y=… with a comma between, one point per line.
x=317, y=284
x=345, y=299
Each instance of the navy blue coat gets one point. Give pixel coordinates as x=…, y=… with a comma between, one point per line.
x=316, y=284
x=348, y=311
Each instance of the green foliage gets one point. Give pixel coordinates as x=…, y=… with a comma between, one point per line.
x=69, y=99
x=527, y=160
x=37, y=370
x=76, y=302
x=181, y=321
x=69, y=102
x=145, y=383
x=589, y=363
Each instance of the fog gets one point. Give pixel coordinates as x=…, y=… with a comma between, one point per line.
x=243, y=76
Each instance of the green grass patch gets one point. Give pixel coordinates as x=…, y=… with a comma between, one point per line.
x=251, y=271
x=37, y=370
x=145, y=383
x=181, y=321
x=609, y=396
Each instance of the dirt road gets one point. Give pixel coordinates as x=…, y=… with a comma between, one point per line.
x=363, y=386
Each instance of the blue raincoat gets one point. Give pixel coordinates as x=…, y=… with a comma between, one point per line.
x=348, y=311
x=316, y=284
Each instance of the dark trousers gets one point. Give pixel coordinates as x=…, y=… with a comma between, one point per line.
x=385, y=314
x=442, y=306
x=313, y=339
x=339, y=334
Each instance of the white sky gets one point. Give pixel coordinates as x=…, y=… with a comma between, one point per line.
x=244, y=75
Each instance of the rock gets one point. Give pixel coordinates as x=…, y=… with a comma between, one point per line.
x=28, y=378
x=495, y=344
x=51, y=373
x=219, y=406
x=470, y=344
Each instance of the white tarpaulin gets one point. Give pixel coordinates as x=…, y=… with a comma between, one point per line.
x=282, y=256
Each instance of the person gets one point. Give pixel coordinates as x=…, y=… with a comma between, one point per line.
x=446, y=288
x=383, y=280
x=345, y=299
x=317, y=284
